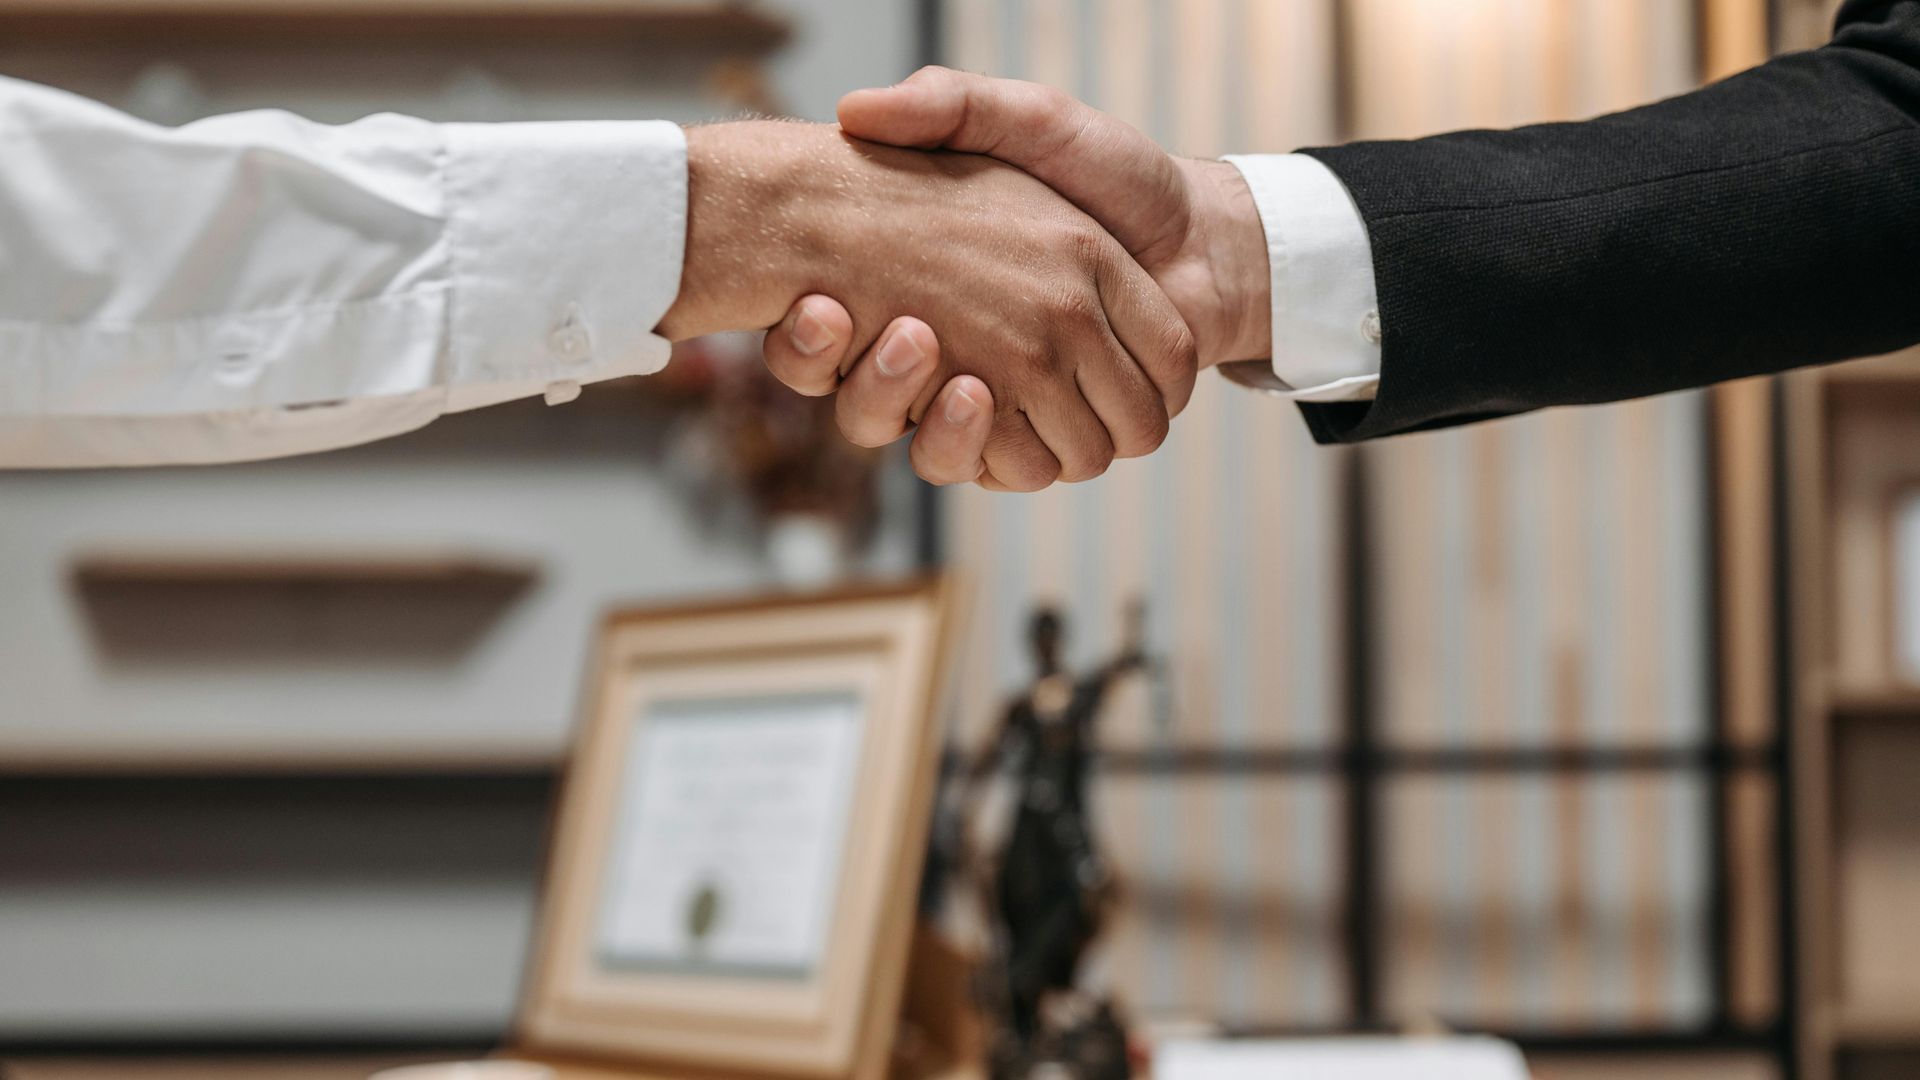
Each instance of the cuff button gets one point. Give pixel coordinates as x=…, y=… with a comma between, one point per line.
x=1370, y=327
x=569, y=339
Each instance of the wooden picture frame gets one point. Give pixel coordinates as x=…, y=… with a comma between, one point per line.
x=833, y=1015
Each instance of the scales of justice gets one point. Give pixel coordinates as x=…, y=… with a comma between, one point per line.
x=1047, y=888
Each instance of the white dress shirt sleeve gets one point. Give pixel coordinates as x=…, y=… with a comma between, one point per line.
x=257, y=285
x=1326, y=319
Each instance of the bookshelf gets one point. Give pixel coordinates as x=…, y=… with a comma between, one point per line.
x=1855, y=725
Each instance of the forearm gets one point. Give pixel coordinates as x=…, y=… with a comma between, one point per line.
x=265, y=285
x=1766, y=222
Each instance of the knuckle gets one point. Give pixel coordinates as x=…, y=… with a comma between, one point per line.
x=1076, y=308
x=1031, y=469
x=1044, y=472
x=1159, y=426
x=1076, y=329
x=1033, y=356
x=1052, y=101
x=933, y=75
x=1148, y=429
x=1181, y=350
x=1091, y=468
x=1169, y=348
x=1173, y=363
x=1086, y=244
x=1091, y=456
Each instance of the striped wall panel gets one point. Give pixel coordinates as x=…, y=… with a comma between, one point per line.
x=1508, y=907
x=1229, y=907
x=1540, y=581
x=1229, y=533
x=1537, y=582
x=1543, y=580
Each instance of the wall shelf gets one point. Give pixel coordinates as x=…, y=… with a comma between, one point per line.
x=1894, y=703
x=1876, y=1025
x=275, y=608
x=234, y=760
x=1898, y=372
x=741, y=26
x=438, y=568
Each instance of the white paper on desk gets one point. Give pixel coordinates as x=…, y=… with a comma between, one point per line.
x=744, y=801
x=1464, y=1058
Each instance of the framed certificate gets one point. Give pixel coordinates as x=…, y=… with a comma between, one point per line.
x=739, y=837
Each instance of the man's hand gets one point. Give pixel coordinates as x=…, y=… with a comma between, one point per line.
x=1191, y=224
x=809, y=350
x=1085, y=356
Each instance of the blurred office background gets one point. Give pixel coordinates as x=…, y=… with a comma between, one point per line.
x=1580, y=728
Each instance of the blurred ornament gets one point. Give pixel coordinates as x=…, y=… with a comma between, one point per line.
x=743, y=84
x=737, y=434
x=474, y=95
x=807, y=550
x=167, y=93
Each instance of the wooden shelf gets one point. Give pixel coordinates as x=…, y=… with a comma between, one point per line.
x=1897, y=372
x=274, y=608
x=233, y=758
x=1897, y=703
x=1876, y=1025
x=429, y=567
x=745, y=26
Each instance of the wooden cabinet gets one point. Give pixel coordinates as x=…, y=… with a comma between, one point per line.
x=1851, y=447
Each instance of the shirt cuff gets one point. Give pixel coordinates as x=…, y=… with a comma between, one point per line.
x=565, y=242
x=1326, y=321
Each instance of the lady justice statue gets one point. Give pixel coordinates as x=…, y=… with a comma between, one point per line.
x=1048, y=888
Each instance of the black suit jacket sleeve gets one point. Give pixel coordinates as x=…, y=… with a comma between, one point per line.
x=1765, y=222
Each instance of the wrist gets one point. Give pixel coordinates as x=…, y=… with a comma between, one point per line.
x=1234, y=308
x=739, y=267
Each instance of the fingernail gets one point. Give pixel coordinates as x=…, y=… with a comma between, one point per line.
x=961, y=409
x=810, y=335
x=899, y=356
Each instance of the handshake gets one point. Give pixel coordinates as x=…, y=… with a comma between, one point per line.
x=1035, y=305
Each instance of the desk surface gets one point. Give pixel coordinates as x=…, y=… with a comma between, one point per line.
x=1545, y=1067
x=282, y=1068
x=221, y=1068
